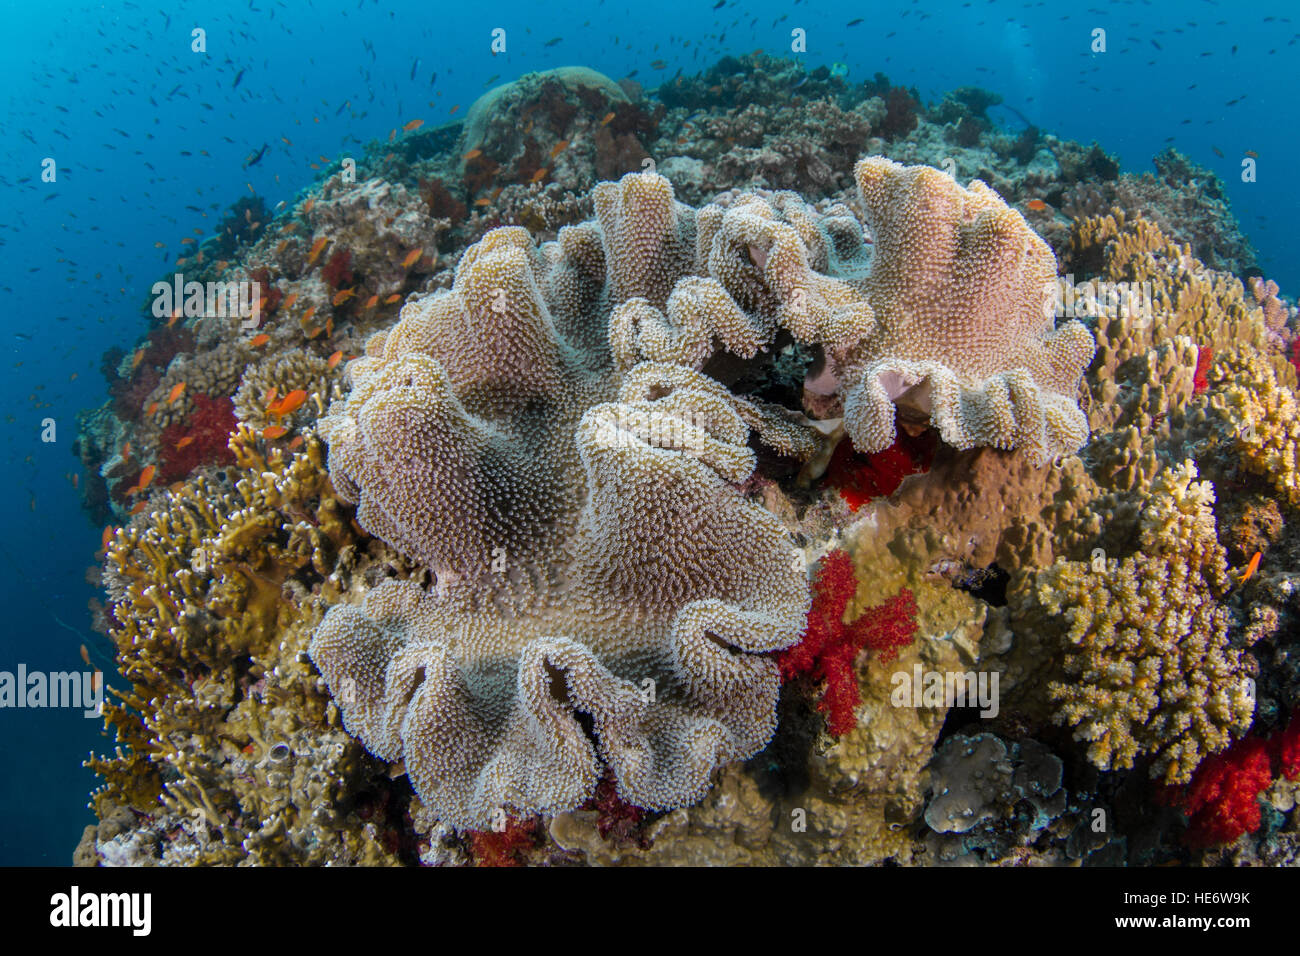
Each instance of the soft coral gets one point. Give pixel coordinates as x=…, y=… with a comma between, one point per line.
x=1222, y=800
x=861, y=478
x=830, y=647
x=209, y=429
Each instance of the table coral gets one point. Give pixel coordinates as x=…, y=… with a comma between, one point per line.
x=1150, y=666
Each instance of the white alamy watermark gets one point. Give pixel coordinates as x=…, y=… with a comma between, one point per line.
x=1095, y=298
x=39, y=689
x=75, y=909
x=213, y=300
x=922, y=688
x=680, y=431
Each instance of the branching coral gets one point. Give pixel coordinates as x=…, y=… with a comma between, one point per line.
x=1150, y=668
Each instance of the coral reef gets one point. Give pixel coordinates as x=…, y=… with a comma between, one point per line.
x=596, y=485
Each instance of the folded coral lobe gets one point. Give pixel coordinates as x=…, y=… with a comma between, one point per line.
x=605, y=596
x=960, y=287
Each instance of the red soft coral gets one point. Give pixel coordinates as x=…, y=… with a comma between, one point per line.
x=861, y=478
x=830, y=647
x=506, y=848
x=1222, y=801
x=1204, y=358
x=338, y=271
x=208, y=429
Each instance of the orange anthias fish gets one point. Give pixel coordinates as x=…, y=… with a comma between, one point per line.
x=317, y=248
x=606, y=119
x=106, y=537
x=295, y=442
x=184, y=441
x=306, y=316
x=137, y=358
x=177, y=391
x=259, y=340
x=371, y=302
x=413, y=125
x=289, y=404
x=483, y=202
x=334, y=359
x=395, y=297
x=137, y=507
x=153, y=407
x=274, y=431
x=290, y=300
x=343, y=296
x=1252, y=567
x=559, y=147
x=308, y=206
x=146, y=477
x=539, y=175
x=473, y=154
x=412, y=257
x=1037, y=205
x=272, y=394
x=452, y=111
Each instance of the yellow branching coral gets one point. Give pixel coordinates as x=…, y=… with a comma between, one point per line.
x=1150, y=668
x=1259, y=401
x=224, y=732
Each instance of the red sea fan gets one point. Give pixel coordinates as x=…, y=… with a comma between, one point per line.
x=830, y=647
x=208, y=429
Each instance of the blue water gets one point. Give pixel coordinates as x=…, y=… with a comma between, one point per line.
x=142, y=129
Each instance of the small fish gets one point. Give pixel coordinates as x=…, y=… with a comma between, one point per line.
x=606, y=118
x=184, y=442
x=221, y=265
x=854, y=23
x=308, y=206
x=334, y=359
x=272, y=394
x=483, y=202
x=306, y=316
x=317, y=248
x=177, y=391
x=539, y=175
x=413, y=125
x=106, y=537
x=395, y=297
x=290, y=300
x=285, y=140
x=412, y=257
x=452, y=111
x=259, y=340
x=137, y=358
x=146, y=477
x=342, y=296
x=1217, y=152
x=559, y=147
x=371, y=302
x=296, y=442
x=153, y=407
x=291, y=402
x=1252, y=154
x=1252, y=567
x=138, y=506
x=658, y=65
x=1037, y=205
x=187, y=241
x=472, y=154
x=274, y=431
